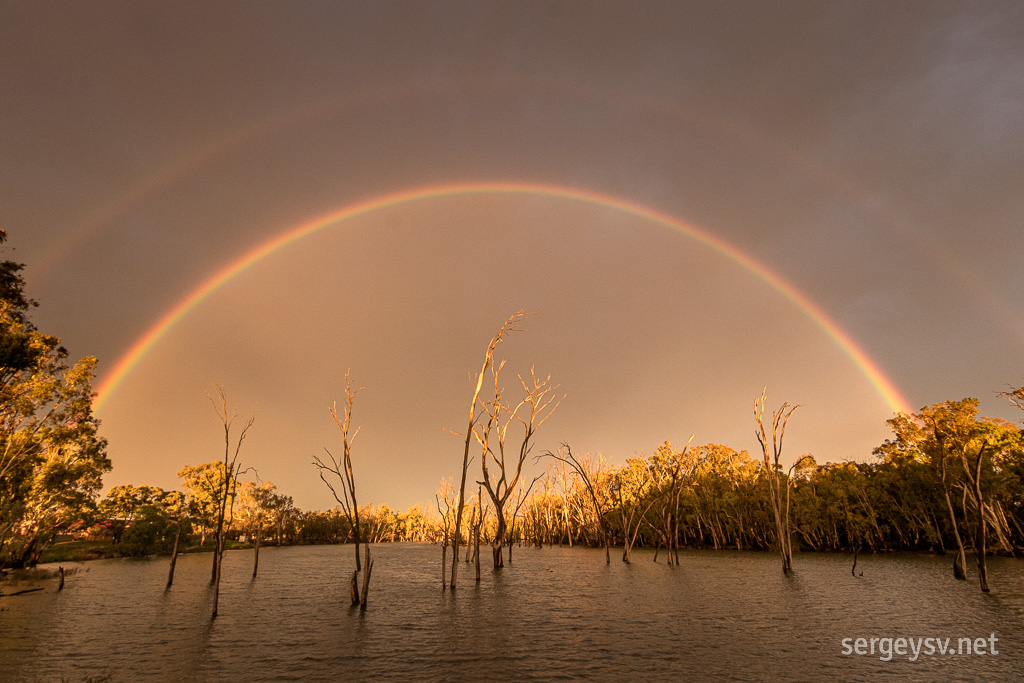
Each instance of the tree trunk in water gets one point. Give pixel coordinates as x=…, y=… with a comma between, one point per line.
x=354, y=589
x=780, y=530
x=471, y=550
x=367, y=570
x=218, y=552
x=856, y=551
x=60, y=586
x=455, y=561
x=788, y=535
x=256, y=558
x=174, y=556
x=476, y=552
x=499, y=538
x=444, y=559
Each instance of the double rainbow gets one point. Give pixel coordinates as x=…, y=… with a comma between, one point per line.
x=131, y=358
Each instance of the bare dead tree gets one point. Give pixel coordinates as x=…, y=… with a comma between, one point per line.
x=508, y=326
x=564, y=480
x=445, y=495
x=366, y=578
x=537, y=405
x=342, y=471
x=773, y=472
x=476, y=535
x=590, y=474
x=1015, y=396
x=231, y=472
x=519, y=500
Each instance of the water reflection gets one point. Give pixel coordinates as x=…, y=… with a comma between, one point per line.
x=554, y=613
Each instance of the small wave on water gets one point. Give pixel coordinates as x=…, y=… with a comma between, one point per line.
x=554, y=614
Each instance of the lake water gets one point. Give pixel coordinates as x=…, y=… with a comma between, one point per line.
x=555, y=613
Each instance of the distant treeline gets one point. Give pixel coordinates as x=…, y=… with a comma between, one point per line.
x=948, y=480
x=898, y=502
x=720, y=499
x=917, y=495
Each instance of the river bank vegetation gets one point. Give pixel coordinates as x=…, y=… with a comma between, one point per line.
x=947, y=481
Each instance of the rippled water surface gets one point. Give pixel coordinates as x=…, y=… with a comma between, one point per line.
x=555, y=613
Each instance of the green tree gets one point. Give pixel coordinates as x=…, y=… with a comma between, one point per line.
x=155, y=524
x=51, y=458
x=123, y=502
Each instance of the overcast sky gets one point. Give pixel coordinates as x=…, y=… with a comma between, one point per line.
x=870, y=154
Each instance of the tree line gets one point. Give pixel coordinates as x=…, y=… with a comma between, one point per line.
x=947, y=481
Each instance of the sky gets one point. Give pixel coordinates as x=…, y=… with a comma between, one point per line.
x=696, y=200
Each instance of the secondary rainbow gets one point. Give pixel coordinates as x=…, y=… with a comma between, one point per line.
x=127, y=362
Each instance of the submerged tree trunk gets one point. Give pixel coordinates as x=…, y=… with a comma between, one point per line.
x=367, y=570
x=256, y=557
x=476, y=552
x=472, y=552
x=444, y=559
x=216, y=558
x=174, y=556
x=219, y=551
x=499, y=537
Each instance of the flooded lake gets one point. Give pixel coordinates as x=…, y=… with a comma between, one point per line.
x=555, y=613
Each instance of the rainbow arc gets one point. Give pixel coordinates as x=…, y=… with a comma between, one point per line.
x=885, y=388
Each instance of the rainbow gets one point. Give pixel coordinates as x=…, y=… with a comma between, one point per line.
x=131, y=358
x=219, y=148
